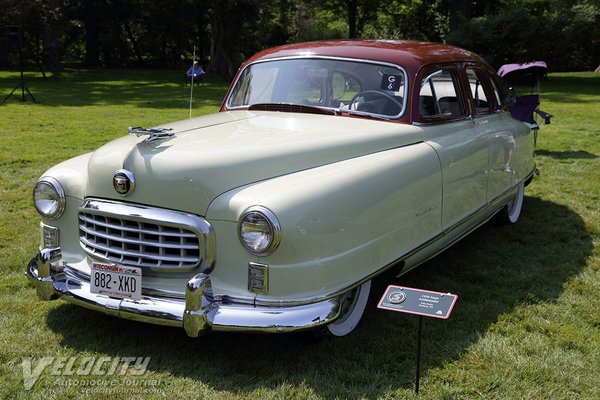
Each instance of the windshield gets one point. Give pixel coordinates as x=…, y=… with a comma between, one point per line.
x=342, y=85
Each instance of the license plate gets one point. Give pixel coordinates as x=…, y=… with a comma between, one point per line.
x=116, y=281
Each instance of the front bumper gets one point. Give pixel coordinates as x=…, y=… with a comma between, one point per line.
x=199, y=311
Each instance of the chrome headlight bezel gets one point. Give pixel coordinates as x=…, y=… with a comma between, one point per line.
x=51, y=189
x=264, y=224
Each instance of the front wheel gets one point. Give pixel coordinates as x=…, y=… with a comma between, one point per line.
x=510, y=213
x=353, y=308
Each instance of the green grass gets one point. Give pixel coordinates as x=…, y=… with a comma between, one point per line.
x=526, y=325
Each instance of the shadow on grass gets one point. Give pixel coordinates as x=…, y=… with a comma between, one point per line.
x=493, y=271
x=568, y=154
x=143, y=88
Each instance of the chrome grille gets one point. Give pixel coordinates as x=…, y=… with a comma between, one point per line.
x=142, y=236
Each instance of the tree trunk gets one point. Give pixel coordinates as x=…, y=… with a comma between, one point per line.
x=227, y=23
x=460, y=12
x=92, y=48
x=53, y=47
x=351, y=7
x=134, y=43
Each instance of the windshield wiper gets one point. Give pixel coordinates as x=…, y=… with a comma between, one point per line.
x=302, y=108
x=289, y=107
x=361, y=114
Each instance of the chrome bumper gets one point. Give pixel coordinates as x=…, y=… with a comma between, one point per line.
x=198, y=313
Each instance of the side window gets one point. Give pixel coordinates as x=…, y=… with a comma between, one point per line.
x=439, y=96
x=478, y=83
x=497, y=91
x=500, y=90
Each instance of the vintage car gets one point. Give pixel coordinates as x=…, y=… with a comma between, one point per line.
x=328, y=163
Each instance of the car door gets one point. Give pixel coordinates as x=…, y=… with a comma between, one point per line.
x=443, y=114
x=489, y=121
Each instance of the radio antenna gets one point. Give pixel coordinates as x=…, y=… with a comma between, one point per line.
x=192, y=80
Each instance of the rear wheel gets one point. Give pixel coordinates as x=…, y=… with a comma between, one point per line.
x=353, y=308
x=511, y=211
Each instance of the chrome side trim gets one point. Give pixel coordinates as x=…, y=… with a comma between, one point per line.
x=460, y=118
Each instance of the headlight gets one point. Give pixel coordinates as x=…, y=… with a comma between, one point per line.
x=259, y=231
x=49, y=197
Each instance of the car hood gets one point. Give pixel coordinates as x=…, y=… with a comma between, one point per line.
x=211, y=155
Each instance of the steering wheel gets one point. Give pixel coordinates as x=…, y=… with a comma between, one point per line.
x=370, y=107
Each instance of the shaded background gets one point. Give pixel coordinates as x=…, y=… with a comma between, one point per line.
x=163, y=33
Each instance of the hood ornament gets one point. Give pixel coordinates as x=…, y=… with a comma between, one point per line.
x=153, y=133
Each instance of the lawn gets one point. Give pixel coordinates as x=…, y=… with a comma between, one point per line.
x=526, y=325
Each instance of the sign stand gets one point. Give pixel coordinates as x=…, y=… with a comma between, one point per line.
x=422, y=303
x=418, y=372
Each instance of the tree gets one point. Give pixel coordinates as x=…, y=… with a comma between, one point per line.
x=52, y=35
x=409, y=20
x=232, y=24
x=41, y=23
x=563, y=33
x=91, y=23
x=357, y=13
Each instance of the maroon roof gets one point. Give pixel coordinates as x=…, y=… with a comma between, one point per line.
x=410, y=54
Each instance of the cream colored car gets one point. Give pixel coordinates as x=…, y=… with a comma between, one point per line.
x=329, y=163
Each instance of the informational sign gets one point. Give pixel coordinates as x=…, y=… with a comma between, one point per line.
x=418, y=301
x=391, y=82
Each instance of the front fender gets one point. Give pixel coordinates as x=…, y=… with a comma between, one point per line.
x=340, y=222
x=72, y=175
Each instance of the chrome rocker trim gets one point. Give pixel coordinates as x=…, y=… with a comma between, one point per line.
x=198, y=313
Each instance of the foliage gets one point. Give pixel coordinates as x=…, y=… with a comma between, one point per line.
x=526, y=324
x=415, y=20
x=565, y=34
x=159, y=33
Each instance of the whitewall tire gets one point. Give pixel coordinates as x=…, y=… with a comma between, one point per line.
x=511, y=212
x=353, y=308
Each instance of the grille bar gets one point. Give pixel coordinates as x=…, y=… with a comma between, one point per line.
x=92, y=220
x=128, y=253
x=156, y=239
x=136, y=241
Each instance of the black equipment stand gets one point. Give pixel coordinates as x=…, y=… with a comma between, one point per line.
x=418, y=369
x=21, y=84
